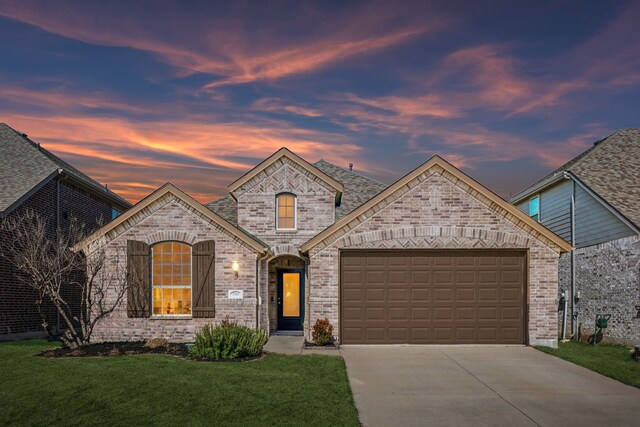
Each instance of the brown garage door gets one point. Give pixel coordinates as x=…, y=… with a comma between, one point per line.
x=427, y=297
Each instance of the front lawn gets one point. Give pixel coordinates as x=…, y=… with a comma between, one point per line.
x=614, y=361
x=164, y=390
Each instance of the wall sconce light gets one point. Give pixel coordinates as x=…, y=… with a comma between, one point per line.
x=235, y=266
x=576, y=298
x=638, y=310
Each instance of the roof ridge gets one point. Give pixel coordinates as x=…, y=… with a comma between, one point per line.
x=351, y=171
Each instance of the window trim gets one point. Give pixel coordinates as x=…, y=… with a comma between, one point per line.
x=170, y=316
x=295, y=211
x=537, y=196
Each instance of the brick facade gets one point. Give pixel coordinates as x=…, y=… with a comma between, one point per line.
x=608, y=279
x=257, y=204
x=436, y=211
x=171, y=219
x=18, y=312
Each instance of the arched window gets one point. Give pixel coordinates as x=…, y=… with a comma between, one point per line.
x=286, y=211
x=171, y=279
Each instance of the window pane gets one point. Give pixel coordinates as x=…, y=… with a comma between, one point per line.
x=534, y=206
x=171, y=278
x=286, y=211
x=291, y=291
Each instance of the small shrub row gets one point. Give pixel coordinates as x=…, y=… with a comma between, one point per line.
x=228, y=341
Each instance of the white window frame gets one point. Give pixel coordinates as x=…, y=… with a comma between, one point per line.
x=172, y=316
x=295, y=212
x=537, y=196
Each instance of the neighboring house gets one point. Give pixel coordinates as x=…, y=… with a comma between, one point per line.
x=33, y=178
x=433, y=258
x=593, y=202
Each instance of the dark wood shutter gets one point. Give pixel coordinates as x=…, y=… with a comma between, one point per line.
x=138, y=278
x=204, y=279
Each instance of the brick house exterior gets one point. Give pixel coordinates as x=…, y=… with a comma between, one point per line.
x=58, y=198
x=433, y=208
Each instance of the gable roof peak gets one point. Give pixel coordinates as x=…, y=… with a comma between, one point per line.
x=169, y=188
x=285, y=152
x=524, y=221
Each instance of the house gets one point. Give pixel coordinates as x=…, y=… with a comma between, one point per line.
x=593, y=202
x=433, y=258
x=34, y=178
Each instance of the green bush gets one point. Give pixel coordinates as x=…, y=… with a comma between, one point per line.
x=228, y=341
x=322, y=332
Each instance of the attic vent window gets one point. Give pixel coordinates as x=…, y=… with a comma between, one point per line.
x=534, y=208
x=286, y=211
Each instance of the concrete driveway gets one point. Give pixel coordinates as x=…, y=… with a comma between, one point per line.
x=482, y=386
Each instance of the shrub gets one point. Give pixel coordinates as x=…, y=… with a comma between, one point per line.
x=322, y=332
x=228, y=341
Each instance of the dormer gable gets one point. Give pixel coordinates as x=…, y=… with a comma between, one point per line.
x=282, y=156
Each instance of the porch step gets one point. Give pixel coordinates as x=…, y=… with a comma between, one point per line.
x=288, y=333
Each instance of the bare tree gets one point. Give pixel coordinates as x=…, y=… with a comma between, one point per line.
x=49, y=265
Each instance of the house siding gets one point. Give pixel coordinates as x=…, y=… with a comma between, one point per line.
x=169, y=218
x=18, y=312
x=436, y=211
x=594, y=223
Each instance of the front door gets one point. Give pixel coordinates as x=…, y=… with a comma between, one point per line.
x=290, y=300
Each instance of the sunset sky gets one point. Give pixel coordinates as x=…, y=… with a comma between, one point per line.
x=139, y=93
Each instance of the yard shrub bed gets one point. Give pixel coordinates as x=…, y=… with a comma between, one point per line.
x=228, y=341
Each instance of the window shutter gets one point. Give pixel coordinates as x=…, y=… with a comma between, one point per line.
x=204, y=279
x=138, y=279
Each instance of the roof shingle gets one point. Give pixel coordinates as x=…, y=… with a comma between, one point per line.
x=25, y=164
x=611, y=168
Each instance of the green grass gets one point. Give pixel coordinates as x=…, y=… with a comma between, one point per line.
x=164, y=390
x=614, y=361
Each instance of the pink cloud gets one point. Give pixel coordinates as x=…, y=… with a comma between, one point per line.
x=165, y=146
x=223, y=45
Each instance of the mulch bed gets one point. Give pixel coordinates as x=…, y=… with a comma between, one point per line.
x=109, y=349
x=330, y=346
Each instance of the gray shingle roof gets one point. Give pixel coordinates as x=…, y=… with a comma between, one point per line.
x=611, y=168
x=357, y=190
x=25, y=164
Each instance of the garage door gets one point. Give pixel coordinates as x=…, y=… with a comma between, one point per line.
x=427, y=297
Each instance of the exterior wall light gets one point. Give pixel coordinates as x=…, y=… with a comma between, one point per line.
x=235, y=266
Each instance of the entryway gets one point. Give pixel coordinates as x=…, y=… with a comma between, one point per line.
x=286, y=295
x=290, y=300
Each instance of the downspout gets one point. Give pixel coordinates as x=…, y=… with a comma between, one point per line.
x=258, y=260
x=574, y=314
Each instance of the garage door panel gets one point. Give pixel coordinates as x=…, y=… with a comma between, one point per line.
x=375, y=295
x=465, y=313
x=420, y=295
x=444, y=297
x=398, y=295
x=420, y=313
